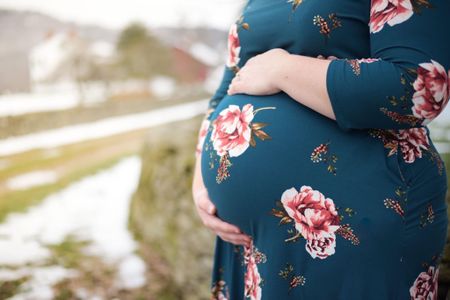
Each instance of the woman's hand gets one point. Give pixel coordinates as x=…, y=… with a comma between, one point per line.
x=257, y=76
x=206, y=210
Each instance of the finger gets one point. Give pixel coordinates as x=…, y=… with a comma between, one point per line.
x=239, y=236
x=216, y=224
x=234, y=240
x=235, y=236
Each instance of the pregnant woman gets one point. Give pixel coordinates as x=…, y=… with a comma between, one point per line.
x=315, y=153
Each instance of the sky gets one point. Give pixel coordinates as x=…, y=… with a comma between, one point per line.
x=116, y=14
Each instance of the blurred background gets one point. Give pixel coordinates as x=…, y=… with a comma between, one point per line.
x=100, y=106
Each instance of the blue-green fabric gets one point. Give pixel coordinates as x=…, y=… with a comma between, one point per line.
x=352, y=208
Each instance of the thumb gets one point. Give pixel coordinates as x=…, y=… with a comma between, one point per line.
x=211, y=208
x=206, y=203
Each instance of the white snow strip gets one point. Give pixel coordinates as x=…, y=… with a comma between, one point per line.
x=19, y=104
x=31, y=179
x=102, y=128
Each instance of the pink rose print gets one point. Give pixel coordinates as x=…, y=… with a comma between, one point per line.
x=432, y=91
x=389, y=12
x=321, y=247
x=252, y=281
x=252, y=278
x=222, y=297
x=315, y=218
x=231, y=130
x=411, y=142
x=314, y=215
x=201, y=135
x=219, y=288
x=233, y=47
x=426, y=285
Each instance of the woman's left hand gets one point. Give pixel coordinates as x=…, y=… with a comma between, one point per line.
x=256, y=77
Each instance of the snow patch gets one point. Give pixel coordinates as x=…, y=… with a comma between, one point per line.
x=31, y=179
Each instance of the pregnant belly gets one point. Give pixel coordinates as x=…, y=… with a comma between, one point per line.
x=259, y=146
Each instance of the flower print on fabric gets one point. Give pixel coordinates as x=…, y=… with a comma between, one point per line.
x=432, y=90
x=233, y=132
x=316, y=219
x=321, y=154
x=356, y=64
x=295, y=4
x=294, y=280
x=389, y=12
x=202, y=135
x=430, y=95
x=426, y=285
x=219, y=290
x=392, y=12
x=427, y=217
x=325, y=27
x=234, y=47
x=398, y=205
x=253, y=281
x=234, y=44
x=411, y=142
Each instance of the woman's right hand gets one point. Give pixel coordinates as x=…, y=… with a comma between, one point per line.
x=207, y=212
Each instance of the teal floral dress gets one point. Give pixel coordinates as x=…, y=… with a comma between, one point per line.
x=352, y=208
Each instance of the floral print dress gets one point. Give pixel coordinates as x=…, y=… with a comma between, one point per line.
x=352, y=208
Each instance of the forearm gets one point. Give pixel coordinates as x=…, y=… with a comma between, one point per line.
x=304, y=79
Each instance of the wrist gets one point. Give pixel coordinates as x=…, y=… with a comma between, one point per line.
x=280, y=72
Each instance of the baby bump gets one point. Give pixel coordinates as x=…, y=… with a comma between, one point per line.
x=257, y=147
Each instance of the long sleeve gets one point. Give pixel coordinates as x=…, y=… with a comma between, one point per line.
x=229, y=70
x=405, y=82
x=220, y=92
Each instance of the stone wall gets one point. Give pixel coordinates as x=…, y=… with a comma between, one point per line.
x=174, y=241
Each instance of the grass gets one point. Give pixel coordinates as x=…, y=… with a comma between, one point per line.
x=72, y=163
x=10, y=288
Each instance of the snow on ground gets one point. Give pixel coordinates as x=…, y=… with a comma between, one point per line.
x=18, y=104
x=102, y=128
x=94, y=209
x=41, y=281
x=31, y=179
x=54, y=97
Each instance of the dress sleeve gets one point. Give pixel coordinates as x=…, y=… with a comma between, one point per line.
x=230, y=68
x=221, y=90
x=405, y=82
